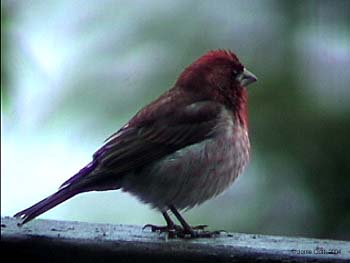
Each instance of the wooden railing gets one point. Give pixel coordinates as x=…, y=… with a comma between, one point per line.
x=61, y=241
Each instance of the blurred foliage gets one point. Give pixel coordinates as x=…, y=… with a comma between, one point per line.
x=5, y=46
x=316, y=141
x=103, y=64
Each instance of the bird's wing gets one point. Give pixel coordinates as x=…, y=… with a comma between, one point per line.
x=148, y=140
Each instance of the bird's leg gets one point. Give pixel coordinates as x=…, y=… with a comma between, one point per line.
x=192, y=232
x=171, y=228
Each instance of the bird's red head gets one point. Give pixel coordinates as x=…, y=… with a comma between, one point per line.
x=219, y=76
x=219, y=68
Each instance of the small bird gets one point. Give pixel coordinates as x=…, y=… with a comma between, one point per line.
x=182, y=149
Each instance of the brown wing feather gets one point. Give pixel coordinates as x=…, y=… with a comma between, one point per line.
x=138, y=145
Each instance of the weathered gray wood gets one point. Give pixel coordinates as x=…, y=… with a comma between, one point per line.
x=60, y=241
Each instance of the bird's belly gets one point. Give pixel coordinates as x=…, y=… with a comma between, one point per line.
x=191, y=175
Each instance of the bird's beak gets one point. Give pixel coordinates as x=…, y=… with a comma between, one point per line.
x=246, y=78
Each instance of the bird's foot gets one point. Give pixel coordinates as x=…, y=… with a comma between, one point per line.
x=162, y=229
x=170, y=230
x=197, y=232
x=175, y=231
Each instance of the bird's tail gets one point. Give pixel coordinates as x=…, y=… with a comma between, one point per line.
x=67, y=190
x=45, y=204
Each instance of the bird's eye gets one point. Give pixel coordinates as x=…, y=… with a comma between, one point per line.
x=235, y=73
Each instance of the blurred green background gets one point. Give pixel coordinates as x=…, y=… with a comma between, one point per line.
x=73, y=72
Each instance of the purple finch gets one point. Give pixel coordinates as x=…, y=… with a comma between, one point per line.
x=182, y=149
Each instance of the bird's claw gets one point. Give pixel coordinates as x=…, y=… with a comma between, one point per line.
x=198, y=232
x=178, y=231
x=161, y=229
